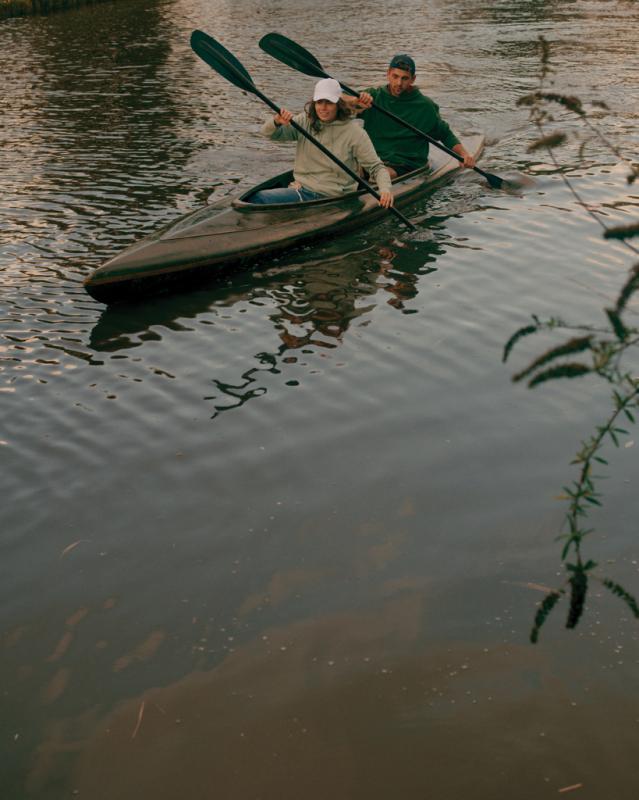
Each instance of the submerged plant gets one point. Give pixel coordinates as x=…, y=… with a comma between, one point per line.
x=596, y=352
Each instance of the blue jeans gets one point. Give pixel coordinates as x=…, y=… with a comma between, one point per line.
x=287, y=195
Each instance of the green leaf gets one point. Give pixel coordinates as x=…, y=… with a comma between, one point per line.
x=572, y=370
x=623, y=231
x=578, y=591
x=525, y=331
x=548, y=142
x=621, y=332
x=619, y=591
x=628, y=289
x=547, y=605
x=570, y=102
x=575, y=345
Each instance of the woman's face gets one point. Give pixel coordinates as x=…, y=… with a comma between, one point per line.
x=325, y=110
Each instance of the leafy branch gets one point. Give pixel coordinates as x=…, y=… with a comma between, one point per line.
x=541, y=103
x=598, y=352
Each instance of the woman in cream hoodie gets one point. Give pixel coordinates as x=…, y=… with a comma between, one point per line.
x=328, y=119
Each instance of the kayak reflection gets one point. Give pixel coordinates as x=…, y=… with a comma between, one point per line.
x=314, y=303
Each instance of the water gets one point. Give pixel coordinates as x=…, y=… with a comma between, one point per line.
x=280, y=538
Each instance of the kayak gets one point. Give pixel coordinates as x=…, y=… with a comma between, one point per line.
x=233, y=233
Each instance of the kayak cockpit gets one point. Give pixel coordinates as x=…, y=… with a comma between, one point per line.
x=284, y=179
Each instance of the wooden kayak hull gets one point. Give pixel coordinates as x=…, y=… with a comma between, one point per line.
x=233, y=233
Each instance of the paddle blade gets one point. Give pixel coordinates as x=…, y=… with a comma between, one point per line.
x=222, y=61
x=292, y=54
x=510, y=185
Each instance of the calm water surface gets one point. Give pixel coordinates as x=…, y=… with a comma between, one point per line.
x=279, y=538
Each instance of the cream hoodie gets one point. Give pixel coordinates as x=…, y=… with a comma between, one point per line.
x=346, y=139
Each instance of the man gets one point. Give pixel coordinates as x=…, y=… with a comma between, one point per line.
x=399, y=148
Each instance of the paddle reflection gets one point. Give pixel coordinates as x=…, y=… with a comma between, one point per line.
x=314, y=303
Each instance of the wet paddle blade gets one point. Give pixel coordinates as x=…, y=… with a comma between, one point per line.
x=292, y=54
x=512, y=185
x=222, y=61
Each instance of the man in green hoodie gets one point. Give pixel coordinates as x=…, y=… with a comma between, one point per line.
x=400, y=149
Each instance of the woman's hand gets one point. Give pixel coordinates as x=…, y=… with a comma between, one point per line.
x=283, y=118
x=386, y=199
x=365, y=100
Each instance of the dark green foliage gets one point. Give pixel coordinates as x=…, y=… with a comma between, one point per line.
x=606, y=355
x=573, y=370
x=621, y=332
x=619, y=591
x=573, y=541
x=578, y=590
x=575, y=345
x=528, y=100
x=544, y=56
x=552, y=140
x=547, y=605
x=525, y=331
x=569, y=102
x=623, y=231
x=582, y=149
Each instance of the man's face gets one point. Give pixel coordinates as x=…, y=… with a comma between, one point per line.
x=399, y=81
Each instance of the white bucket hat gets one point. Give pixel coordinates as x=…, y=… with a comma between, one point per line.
x=327, y=89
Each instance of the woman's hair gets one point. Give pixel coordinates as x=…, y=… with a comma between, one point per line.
x=343, y=112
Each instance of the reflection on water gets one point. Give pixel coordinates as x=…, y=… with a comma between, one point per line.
x=312, y=303
x=346, y=705
x=98, y=129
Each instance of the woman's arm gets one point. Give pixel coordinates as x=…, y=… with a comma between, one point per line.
x=279, y=127
x=368, y=159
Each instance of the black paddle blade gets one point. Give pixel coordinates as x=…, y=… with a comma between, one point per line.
x=510, y=185
x=218, y=57
x=292, y=54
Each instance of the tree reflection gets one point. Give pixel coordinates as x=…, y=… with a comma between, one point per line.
x=101, y=131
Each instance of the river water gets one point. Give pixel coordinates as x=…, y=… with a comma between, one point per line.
x=284, y=537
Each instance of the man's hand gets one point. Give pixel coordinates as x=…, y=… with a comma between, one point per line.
x=468, y=161
x=357, y=104
x=283, y=118
x=386, y=199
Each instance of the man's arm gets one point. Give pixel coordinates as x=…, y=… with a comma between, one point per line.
x=469, y=161
x=358, y=104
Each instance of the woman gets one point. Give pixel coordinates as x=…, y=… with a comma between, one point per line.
x=328, y=119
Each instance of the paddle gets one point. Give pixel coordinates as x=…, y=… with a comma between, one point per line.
x=294, y=55
x=224, y=62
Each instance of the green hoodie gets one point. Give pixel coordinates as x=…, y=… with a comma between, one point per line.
x=346, y=139
x=396, y=144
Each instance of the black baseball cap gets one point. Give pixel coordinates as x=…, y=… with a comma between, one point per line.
x=402, y=61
